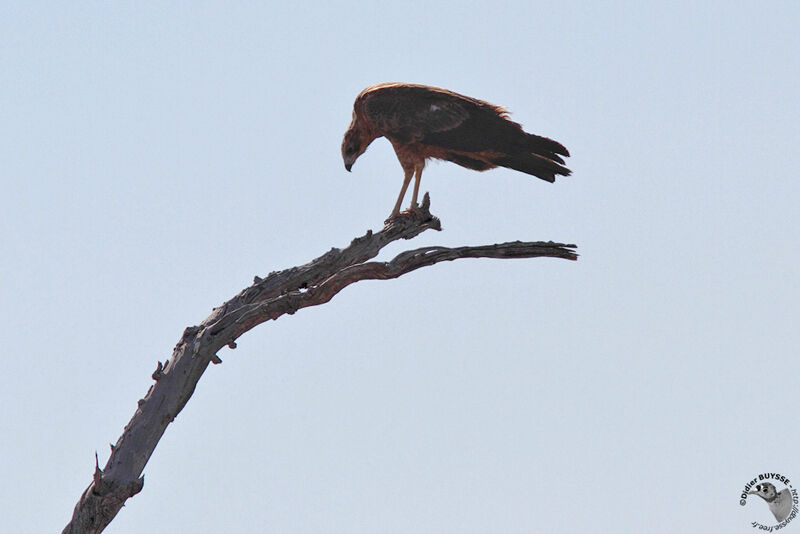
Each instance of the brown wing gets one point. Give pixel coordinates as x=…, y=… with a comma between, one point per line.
x=411, y=113
x=487, y=134
x=476, y=134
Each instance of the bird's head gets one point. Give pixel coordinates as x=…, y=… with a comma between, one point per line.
x=766, y=491
x=352, y=146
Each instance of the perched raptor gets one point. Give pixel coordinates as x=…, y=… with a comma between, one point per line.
x=425, y=122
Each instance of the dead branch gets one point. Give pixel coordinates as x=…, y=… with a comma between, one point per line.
x=280, y=293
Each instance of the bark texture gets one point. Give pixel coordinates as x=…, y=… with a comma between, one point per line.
x=282, y=292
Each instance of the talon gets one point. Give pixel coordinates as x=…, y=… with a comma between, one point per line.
x=392, y=216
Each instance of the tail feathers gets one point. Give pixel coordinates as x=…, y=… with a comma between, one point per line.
x=539, y=166
x=547, y=148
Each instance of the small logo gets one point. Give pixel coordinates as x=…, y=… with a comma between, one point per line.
x=782, y=500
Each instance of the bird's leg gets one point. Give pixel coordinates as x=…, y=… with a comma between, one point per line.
x=417, y=180
x=406, y=181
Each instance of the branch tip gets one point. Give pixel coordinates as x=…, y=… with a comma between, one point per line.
x=135, y=486
x=426, y=202
x=159, y=372
x=97, y=477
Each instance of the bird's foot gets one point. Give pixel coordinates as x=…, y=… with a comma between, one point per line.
x=392, y=217
x=413, y=212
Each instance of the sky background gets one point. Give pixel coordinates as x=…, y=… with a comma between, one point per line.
x=155, y=157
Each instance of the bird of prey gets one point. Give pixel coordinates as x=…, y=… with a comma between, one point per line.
x=780, y=504
x=425, y=122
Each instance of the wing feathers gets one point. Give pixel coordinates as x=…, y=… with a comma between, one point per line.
x=532, y=164
x=409, y=111
x=547, y=147
x=468, y=162
x=469, y=132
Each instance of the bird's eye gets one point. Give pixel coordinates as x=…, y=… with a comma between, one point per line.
x=351, y=149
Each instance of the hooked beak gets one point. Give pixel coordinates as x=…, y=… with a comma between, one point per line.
x=348, y=166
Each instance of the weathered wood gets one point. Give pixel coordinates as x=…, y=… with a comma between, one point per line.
x=280, y=293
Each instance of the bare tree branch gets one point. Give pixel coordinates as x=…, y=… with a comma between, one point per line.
x=280, y=293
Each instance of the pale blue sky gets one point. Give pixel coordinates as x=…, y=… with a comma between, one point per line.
x=156, y=157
